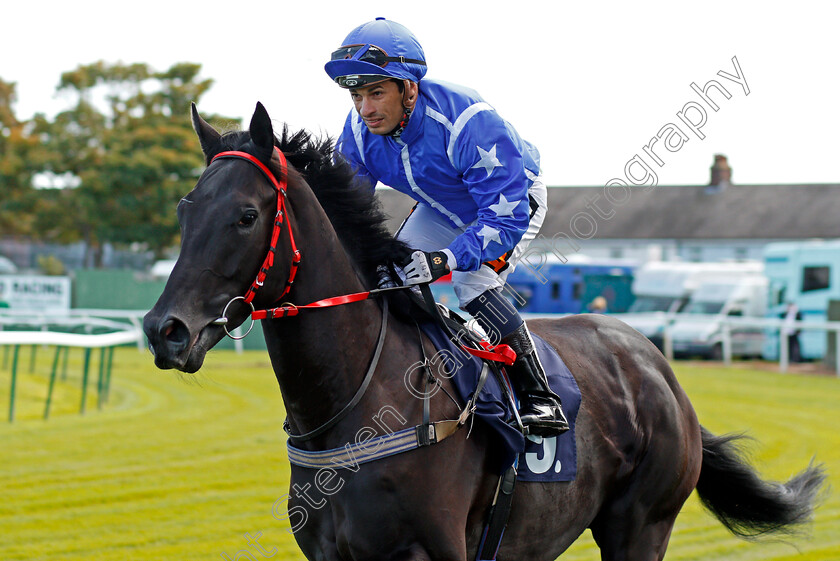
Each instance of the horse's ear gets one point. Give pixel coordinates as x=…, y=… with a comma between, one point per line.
x=262, y=133
x=207, y=135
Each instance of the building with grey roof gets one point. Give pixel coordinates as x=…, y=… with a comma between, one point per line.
x=719, y=221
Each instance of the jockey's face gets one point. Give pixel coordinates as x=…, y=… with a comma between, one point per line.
x=381, y=105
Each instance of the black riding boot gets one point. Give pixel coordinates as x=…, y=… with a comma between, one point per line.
x=540, y=408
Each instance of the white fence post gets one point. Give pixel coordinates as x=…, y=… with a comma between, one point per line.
x=837, y=353
x=726, y=344
x=667, y=340
x=783, y=350
x=137, y=322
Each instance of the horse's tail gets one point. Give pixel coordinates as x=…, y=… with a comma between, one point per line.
x=747, y=505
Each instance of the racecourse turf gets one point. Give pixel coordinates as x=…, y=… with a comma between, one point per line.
x=183, y=467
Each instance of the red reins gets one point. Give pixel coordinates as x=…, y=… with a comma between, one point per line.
x=288, y=310
x=498, y=353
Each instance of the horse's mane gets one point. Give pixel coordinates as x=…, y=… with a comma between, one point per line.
x=350, y=203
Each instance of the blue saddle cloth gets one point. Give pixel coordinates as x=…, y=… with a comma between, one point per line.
x=551, y=459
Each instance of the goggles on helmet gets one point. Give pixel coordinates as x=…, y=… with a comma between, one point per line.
x=360, y=80
x=372, y=54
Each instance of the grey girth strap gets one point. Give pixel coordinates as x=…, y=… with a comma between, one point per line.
x=424, y=434
x=351, y=455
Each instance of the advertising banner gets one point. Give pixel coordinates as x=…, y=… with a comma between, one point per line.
x=34, y=292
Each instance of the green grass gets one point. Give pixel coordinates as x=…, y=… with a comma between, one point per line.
x=182, y=469
x=792, y=419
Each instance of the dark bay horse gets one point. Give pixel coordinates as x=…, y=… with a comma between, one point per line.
x=641, y=449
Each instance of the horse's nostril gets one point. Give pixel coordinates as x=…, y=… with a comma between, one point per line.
x=175, y=332
x=169, y=339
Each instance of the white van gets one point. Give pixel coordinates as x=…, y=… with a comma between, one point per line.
x=664, y=288
x=698, y=330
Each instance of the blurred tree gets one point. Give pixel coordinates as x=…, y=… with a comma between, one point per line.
x=129, y=142
x=7, y=99
x=18, y=164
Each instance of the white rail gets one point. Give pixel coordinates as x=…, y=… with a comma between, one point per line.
x=82, y=317
x=728, y=323
x=60, y=339
x=37, y=327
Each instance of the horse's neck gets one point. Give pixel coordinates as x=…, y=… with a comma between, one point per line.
x=320, y=356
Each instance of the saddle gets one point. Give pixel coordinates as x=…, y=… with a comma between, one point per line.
x=494, y=403
x=478, y=374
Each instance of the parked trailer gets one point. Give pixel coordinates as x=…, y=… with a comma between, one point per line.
x=807, y=274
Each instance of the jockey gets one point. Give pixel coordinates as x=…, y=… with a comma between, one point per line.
x=480, y=198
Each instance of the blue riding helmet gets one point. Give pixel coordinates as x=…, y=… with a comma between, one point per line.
x=375, y=51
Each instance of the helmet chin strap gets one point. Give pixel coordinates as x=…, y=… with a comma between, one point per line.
x=398, y=130
x=408, y=107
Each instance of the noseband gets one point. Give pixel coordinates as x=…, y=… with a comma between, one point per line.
x=280, y=187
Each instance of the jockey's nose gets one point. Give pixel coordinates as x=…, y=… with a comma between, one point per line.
x=366, y=108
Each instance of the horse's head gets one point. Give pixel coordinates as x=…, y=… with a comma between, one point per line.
x=226, y=225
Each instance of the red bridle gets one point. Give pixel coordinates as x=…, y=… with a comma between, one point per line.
x=279, y=218
x=501, y=353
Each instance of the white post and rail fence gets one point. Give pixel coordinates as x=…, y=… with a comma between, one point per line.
x=86, y=329
x=91, y=329
x=731, y=325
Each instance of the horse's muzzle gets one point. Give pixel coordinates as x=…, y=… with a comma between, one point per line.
x=169, y=340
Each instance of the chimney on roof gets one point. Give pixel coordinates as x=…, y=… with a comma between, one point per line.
x=721, y=174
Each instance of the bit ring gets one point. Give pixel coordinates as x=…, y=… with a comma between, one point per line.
x=223, y=320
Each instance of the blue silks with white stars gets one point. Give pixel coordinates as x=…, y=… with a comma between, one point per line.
x=458, y=156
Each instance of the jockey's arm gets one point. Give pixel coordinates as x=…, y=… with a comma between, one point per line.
x=493, y=170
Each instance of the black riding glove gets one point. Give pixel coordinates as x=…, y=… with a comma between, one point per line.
x=422, y=267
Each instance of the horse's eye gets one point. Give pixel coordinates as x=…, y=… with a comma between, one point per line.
x=248, y=218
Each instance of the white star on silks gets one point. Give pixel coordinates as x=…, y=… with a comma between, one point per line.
x=504, y=207
x=488, y=159
x=490, y=235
